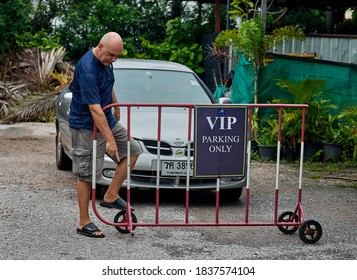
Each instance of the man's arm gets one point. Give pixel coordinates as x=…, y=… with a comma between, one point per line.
x=116, y=108
x=101, y=122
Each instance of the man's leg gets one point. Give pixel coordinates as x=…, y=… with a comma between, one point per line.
x=82, y=146
x=119, y=176
x=83, y=197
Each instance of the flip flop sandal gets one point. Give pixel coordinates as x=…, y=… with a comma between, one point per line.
x=118, y=204
x=90, y=230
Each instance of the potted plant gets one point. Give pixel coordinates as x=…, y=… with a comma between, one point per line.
x=290, y=132
x=267, y=139
x=333, y=139
x=307, y=91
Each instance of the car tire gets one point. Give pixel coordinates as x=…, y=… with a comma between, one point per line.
x=63, y=162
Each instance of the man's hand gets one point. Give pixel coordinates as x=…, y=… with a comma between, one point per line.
x=117, y=113
x=112, y=149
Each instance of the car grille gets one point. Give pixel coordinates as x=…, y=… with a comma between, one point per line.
x=151, y=146
x=165, y=148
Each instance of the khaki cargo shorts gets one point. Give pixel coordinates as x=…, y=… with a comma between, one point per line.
x=82, y=145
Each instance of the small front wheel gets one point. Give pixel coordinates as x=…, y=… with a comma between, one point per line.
x=310, y=231
x=121, y=217
x=287, y=217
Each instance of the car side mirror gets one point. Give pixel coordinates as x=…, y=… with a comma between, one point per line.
x=224, y=100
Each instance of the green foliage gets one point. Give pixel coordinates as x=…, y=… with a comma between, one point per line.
x=321, y=124
x=334, y=131
x=349, y=113
x=85, y=22
x=241, y=8
x=250, y=41
x=279, y=35
x=247, y=40
x=308, y=92
x=342, y=133
x=178, y=46
x=300, y=92
x=268, y=132
x=309, y=20
x=80, y=24
x=14, y=19
x=348, y=119
x=41, y=39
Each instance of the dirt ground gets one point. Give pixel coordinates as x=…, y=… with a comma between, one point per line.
x=27, y=153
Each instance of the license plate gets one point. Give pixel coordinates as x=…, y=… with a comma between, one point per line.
x=175, y=168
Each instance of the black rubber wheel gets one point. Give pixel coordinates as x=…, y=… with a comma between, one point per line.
x=120, y=217
x=63, y=162
x=310, y=231
x=286, y=217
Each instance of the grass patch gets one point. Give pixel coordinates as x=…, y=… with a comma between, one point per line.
x=314, y=176
x=352, y=185
x=345, y=171
x=329, y=167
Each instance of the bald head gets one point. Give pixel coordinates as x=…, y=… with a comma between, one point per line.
x=113, y=39
x=109, y=48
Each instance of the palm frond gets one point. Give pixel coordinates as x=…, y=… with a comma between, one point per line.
x=349, y=112
x=30, y=84
x=36, y=108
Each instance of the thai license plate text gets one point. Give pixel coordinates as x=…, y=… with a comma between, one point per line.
x=175, y=168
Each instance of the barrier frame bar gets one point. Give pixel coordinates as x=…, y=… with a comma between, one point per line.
x=128, y=220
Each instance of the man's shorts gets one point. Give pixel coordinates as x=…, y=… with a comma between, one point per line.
x=82, y=145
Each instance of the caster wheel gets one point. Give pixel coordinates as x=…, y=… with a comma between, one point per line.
x=286, y=217
x=121, y=217
x=310, y=231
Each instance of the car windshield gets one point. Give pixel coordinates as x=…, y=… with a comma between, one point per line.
x=143, y=86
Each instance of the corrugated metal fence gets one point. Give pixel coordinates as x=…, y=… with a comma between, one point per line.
x=338, y=48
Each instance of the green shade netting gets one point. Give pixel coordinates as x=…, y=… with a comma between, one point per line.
x=219, y=91
x=243, y=82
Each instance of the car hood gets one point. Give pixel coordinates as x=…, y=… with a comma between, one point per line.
x=144, y=124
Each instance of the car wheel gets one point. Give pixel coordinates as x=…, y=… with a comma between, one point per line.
x=63, y=162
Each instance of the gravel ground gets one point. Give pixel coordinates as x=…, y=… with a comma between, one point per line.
x=38, y=213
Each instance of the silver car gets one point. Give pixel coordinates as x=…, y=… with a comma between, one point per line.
x=151, y=82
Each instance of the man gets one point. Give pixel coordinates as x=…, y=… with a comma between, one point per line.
x=92, y=89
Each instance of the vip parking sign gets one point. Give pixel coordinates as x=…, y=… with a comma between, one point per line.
x=220, y=140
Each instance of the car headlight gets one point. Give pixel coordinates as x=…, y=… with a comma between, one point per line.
x=109, y=173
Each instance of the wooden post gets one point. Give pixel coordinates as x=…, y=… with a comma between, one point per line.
x=218, y=16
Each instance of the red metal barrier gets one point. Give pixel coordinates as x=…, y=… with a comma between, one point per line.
x=288, y=222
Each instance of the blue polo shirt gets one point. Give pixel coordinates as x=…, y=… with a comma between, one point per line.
x=92, y=84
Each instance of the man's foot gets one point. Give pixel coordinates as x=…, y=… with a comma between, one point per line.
x=119, y=203
x=90, y=230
